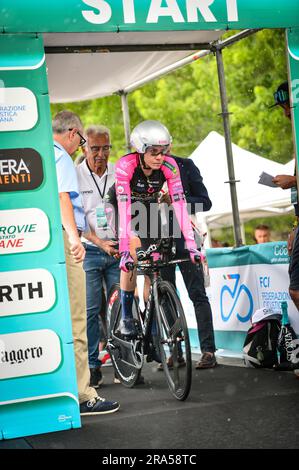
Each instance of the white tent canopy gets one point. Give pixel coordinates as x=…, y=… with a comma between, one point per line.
x=88, y=75
x=254, y=200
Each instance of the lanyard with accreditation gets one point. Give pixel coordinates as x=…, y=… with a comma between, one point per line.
x=100, y=210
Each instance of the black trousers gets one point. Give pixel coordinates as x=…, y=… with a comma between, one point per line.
x=194, y=282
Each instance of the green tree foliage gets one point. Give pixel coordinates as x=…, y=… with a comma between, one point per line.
x=105, y=111
x=187, y=102
x=279, y=227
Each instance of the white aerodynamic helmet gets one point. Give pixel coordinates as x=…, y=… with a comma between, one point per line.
x=149, y=133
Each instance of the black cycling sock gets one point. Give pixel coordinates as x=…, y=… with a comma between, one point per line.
x=127, y=298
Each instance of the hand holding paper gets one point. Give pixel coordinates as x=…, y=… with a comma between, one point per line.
x=267, y=180
x=285, y=181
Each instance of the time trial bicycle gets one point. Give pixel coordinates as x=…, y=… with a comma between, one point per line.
x=162, y=332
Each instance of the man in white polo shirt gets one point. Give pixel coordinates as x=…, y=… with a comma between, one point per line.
x=101, y=264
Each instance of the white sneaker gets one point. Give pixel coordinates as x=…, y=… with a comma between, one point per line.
x=296, y=372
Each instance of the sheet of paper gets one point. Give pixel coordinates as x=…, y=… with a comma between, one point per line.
x=266, y=179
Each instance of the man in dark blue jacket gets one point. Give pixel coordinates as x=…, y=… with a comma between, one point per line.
x=197, y=197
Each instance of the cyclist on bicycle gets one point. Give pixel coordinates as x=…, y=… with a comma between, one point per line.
x=139, y=177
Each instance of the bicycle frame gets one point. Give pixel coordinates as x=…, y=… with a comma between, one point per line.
x=152, y=270
x=160, y=345
x=150, y=266
x=146, y=321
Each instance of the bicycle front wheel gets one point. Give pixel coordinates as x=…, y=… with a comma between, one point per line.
x=174, y=343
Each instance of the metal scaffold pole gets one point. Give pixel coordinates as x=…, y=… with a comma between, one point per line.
x=126, y=118
x=229, y=152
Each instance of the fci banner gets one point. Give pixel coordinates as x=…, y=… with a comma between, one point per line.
x=243, y=280
x=145, y=15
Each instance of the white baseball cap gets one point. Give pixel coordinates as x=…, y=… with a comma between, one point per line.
x=266, y=314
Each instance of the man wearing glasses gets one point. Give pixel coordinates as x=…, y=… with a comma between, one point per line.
x=67, y=134
x=101, y=265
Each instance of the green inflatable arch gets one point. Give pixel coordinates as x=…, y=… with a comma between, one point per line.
x=38, y=392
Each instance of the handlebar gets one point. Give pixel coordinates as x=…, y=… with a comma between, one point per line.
x=145, y=265
x=144, y=254
x=145, y=261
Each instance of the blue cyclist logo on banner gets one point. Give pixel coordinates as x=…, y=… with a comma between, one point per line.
x=229, y=303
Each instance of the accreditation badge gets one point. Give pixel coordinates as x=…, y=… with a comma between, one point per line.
x=294, y=196
x=101, y=218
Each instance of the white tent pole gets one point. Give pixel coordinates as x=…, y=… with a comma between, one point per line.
x=126, y=118
x=165, y=70
x=229, y=150
x=237, y=37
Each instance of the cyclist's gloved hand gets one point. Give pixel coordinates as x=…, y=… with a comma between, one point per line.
x=195, y=255
x=126, y=259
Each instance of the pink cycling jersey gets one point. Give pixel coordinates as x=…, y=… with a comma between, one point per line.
x=124, y=170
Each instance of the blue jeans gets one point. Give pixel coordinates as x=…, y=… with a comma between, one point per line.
x=98, y=267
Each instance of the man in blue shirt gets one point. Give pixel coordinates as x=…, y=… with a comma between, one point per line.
x=67, y=134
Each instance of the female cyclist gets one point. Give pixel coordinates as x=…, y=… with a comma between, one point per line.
x=139, y=177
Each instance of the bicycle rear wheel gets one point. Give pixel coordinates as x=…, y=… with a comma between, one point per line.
x=174, y=343
x=126, y=356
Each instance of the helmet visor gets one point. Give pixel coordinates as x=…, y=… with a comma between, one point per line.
x=155, y=150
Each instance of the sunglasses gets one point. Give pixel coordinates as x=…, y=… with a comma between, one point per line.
x=155, y=151
x=82, y=140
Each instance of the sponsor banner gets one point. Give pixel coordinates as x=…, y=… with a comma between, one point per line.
x=28, y=291
x=20, y=169
x=269, y=253
x=18, y=109
x=236, y=292
x=23, y=230
x=36, y=348
x=240, y=291
x=29, y=353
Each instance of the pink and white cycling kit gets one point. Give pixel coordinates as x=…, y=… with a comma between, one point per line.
x=124, y=171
